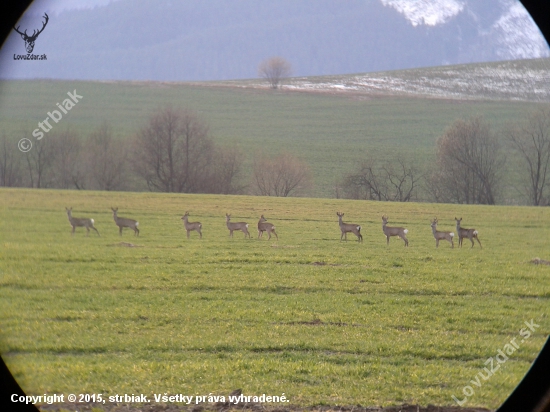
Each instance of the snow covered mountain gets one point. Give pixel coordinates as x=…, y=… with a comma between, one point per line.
x=226, y=39
x=503, y=24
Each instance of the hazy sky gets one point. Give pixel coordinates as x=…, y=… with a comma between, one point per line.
x=57, y=6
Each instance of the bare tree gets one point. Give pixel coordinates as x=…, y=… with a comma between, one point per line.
x=10, y=163
x=106, y=159
x=396, y=180
x=274, y=70
x=174, y=153
x=532, y=142
x=469, y=163
x=68, y=169
x=284, y=175
x=39, y=161
x=226, y=173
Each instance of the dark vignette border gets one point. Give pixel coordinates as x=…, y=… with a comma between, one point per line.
x=533, y=392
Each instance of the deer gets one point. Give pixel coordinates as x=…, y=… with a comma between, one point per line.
x=122, y=222
x=265, y=226
x=189, y=226
x=394, y=231
x=469, y=233
x=345, y=228
x=80, y=222
x=441, y=235
x=242, y=226
x=29, y=40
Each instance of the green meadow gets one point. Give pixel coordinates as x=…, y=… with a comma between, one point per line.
x=331, y=132
x=323, y=321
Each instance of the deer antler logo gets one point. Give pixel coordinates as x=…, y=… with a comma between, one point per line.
x=29, y=40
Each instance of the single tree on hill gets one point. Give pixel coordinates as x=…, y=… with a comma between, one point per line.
x=274, y=70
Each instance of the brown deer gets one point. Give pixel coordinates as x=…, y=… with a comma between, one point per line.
x=469, y=233
x=80, y=222
x=394, y=231
x=122, y=222
x=265, y=226
x=29, y=40
x=441, y=235
x=345, y=228
x=189, y=226
x=242, y=226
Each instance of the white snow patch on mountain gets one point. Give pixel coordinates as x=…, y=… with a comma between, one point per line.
x=428, y=12
x=518, y=35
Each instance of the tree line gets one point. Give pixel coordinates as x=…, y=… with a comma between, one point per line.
x=470, y=166
x=172, y=152
x=175, y=152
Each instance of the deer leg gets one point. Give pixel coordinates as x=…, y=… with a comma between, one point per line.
x=96, y=231
x=479, y=242
x=387, y=240
x=437, y=243
x=471, y=240
x=200, y=233
x=87, y=231
x=230, y=233
x=277, y=236
x=188, y=234
x=120, y=230
x=72, y=233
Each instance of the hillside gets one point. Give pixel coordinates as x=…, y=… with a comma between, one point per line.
x=521, y=80
x=332, y=127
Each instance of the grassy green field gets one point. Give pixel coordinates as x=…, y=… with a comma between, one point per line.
x=323, y=321
x=332, y=132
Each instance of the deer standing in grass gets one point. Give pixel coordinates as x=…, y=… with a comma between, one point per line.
x=242, y=226
x=189, y=226
x=349, y=227
x=394, y=231
x=122, y=222
x=441, y=235
x=265, y=226
x=469, y=233
x=80, y=222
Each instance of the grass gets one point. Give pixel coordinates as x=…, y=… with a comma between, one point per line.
x=332, y=132
x=323, y=321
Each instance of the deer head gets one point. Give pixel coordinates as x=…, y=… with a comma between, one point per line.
x=29, y=40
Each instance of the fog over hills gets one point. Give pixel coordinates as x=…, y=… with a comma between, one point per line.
x=192, y=40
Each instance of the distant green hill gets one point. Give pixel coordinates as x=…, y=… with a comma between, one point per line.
x=332, y=131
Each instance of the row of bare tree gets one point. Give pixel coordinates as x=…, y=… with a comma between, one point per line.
x=470, y=166
x=172, y=152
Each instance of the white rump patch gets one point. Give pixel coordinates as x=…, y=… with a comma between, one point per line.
x=92, y=220
x=452, y=234
x=358, y=228
x=137, y=224
x=406, y=231
x=246, y=225
x=475, y=232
